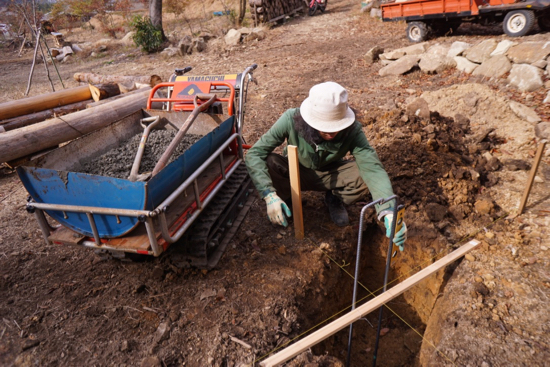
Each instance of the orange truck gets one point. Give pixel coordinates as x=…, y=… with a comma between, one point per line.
x=426, y=17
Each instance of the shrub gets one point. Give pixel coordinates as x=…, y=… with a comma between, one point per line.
x=147, y=36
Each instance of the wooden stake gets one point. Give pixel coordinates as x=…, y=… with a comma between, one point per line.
x=534, y=169
x=294, y=168
x=361, y=311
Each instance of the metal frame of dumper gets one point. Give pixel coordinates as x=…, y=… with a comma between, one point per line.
x=170, y=231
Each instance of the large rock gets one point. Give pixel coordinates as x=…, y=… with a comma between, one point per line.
x=541, y=64
x=547, y=99
x=542, y=130
x=128, y=39
x=376, y=13
x=524, y=112
x=392, y=55
x=253, y=34
x=495, y=67
x=503, y=47
x=529, y=52
x=185, y=46
x=373, y=54
x=169, y=52
x=416, y=49
x=433, y=64
x=401, y=66
x=526, y=78
x=438, y=49
x=457, y=48
x=233, y=37
x=418, y=107
x=481, y=51
x=465, y=65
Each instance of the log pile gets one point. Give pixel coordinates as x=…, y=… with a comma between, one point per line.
x=264, y=11
x=32, y=124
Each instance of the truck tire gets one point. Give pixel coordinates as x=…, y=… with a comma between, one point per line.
x=518, y=23
x=544, y=22
x=417, y=31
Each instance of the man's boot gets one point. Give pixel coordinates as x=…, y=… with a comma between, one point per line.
x=338, y=212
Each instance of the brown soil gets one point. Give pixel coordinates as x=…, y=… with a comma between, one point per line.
x=70, y=306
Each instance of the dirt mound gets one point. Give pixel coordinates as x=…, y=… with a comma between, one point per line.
x=484, y=108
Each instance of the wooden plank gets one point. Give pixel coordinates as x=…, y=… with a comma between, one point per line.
x=66, y=236
x=361, y=311
x=294, y=169
x=532, y=175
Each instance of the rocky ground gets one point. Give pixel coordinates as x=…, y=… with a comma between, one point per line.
x=458, y=156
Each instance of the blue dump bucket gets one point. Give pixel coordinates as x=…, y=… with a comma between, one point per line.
x=50, y=186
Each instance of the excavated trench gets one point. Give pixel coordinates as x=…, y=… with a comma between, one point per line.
x=438, y=169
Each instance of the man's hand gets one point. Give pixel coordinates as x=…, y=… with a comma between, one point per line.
x=400, y=235
x=275, y=208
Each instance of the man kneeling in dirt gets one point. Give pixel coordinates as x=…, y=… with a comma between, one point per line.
x=324, y=130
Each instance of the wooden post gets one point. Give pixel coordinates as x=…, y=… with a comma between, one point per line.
x=361, y=311
x=534, y=169
x=294, y=168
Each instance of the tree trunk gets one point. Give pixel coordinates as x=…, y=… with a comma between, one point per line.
x=155, y=13
x=26, y=120
x=43, y=102
x=34, y=138
x=103, y=91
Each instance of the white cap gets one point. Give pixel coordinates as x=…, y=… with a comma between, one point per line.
x=326, y=109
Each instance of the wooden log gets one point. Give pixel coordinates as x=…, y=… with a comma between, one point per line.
x=103, y=91
x=294, y=170
x=99, y=103
x=361, y=311
x=43, y=102
x=34, y=138
x=26, y=120
x=91, y=78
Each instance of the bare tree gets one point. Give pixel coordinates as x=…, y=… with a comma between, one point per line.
x=155, y=13
x=242, y=11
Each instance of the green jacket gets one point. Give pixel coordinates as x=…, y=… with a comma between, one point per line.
x=317, y=156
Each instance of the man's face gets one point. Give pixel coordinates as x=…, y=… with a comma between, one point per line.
x=328, y=136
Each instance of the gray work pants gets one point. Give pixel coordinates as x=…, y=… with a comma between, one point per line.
x=341, y=177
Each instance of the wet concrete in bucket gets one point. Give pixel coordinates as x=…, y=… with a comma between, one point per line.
x=118, y=162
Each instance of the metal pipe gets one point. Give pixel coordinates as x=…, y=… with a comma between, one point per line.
x=242, y=95
x=149, y=226
x=197, y=194
x=94, y=228
x=193, y=176
x=44, y=225
x=388, y=262
x=162, y=217
x=357, y=262
x=154, y=120
x=91, y=209
x=210, y=98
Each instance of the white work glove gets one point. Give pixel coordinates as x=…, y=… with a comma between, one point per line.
x=275, y=207
x=400, y=235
